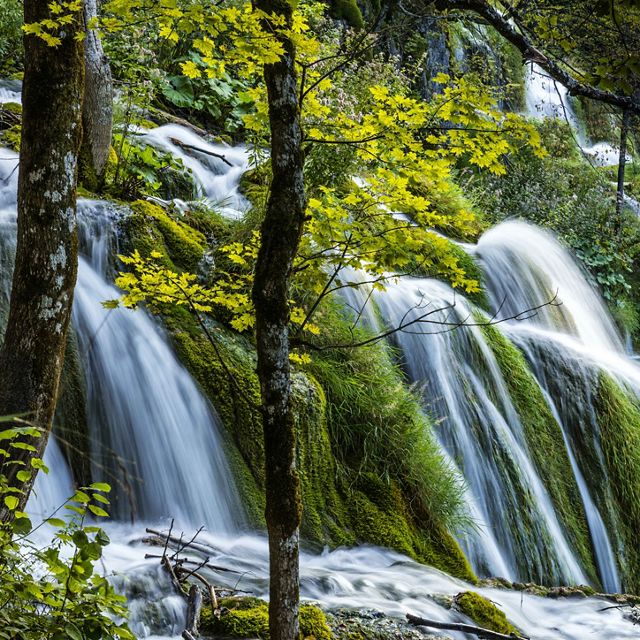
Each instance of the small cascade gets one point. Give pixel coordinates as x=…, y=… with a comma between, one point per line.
x=217, y=168
x=10, y=91
x=525, y=267
x=151, y=426
x=547, y=98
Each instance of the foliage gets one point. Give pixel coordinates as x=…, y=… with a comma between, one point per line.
x=53, y=591
x=566, y=194
x=10, y=36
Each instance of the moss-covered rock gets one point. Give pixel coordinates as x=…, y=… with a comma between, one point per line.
x=11, y=137
x=150, y=228
x=546, y=444
x=347, y=10
x=249, y=618
x=483, y=612
x=344, y=499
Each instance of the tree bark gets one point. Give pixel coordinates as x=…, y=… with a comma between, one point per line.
x=281, y=233
x=622, y=163
x=44, y=276
x=97, y=110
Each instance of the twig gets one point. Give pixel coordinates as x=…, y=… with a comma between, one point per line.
x=200, y=150
x=487, y=634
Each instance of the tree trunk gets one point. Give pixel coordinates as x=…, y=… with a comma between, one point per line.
x=44, y=276
x=281, y=232
x=622, y=163
x=97, y=110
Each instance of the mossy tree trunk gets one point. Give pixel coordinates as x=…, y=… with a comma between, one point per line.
x=97, y=110
x=44, y=277
x=281, y=232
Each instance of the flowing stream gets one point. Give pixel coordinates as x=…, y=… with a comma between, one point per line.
x=159, y=440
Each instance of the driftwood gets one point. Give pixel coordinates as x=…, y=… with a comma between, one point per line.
x=208, y=565
x=191, y=147
x=194, y=607
x=486, y=634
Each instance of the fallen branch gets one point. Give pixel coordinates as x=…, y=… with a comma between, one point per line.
x=179, y=542
x=191, y=147
x=487, y=634
x=194, y=607
x=177, y=120
x=213, y=567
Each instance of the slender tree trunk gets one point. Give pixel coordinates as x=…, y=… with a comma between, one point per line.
x=622, y=163
x=44, y=276
x=97, y=110
x=281, y=232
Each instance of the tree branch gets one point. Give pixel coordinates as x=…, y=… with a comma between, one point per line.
x=530, y=52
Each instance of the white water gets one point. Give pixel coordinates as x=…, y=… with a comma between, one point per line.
x=217, y=178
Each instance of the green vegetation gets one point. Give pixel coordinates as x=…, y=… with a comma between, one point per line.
x=618, y=414
x=59, y=578
x=483, y=612
x=10, y=37
x=249, y=618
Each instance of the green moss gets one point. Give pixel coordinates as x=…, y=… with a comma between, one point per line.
x=546, y=444
x=618, y=414
x=348, y=11
x=151, y=228
x=11, y=137
x=472, y=271
x=11, y=107
x=483, y=612
x=249, y=618
x=70, y=422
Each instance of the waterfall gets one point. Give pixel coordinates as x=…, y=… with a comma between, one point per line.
x=481, y=430
x=154, y=435
x=151, y=427
x=145, y=412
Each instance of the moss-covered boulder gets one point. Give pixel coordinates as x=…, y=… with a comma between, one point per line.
x=248, y=617
x=151, y=228
x=483, y=612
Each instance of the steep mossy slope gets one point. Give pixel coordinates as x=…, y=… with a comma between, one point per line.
x=398, y=493
x=546, y=444
x=619, y=419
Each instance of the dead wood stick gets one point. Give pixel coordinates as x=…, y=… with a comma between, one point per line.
x=194, y=607
x=208, y=565
x=210, y=588
x=487, y=634
x=166, y=563
x=178, y=541
x=191, y=147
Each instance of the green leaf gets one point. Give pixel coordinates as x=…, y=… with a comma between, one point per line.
x=100, y=486
x=11, y=502
x=72, y=631
x=56, y=522
x=98, y=511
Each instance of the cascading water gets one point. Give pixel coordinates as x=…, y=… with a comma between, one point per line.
x=547, y=98
x=151, y=427
x=482, y=432
x=154, y=418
